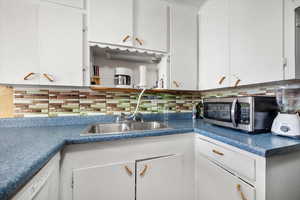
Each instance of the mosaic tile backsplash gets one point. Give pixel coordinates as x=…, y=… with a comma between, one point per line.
x=29, y=102
x=33, y=102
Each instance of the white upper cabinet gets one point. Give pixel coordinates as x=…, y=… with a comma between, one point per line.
x=214, y=45
x=41, y=43
x=183, y=70
x=61, y=45
x=241, y=42
x=71, y=3
x=111, y=21
x=151, y=24
x=256, y=41
x=139, y=23
x=19, y=42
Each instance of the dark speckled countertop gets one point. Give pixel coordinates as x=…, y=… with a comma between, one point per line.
x=25, y=150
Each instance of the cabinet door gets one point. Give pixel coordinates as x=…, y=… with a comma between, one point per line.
x=256, y=40
x=19, y=41
x=151, y=24
x=61, y=45
x=160, y=179
x=110, y=182
x=216, y=183
x=214, y=45
x=111, y=21
x=183, y=71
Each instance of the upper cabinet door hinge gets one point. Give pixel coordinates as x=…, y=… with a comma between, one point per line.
x=85, y=29
x=284, y=62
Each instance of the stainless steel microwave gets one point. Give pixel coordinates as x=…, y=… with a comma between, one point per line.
x=250, y=113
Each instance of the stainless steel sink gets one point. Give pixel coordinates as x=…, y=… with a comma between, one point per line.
x=124, y=127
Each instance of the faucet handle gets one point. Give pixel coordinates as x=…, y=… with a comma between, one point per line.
x=139, y=117
x=120, y=117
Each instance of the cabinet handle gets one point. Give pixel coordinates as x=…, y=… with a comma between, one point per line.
x=217, y=152
x=237, y=82
x=139, y=41
x=239, y=189
x=47, y=76
x=144, y=170
x=126, y=38
x=176, y=84
x=28, y=75
x=128, y=170
x=222, y=80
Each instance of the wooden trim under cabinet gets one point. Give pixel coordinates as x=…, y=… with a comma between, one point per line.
x=6, y=102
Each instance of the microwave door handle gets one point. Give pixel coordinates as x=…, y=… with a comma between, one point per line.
x=233, y=114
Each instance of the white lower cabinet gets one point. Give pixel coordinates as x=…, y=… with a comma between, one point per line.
x=217, y=183
x=160, y=179
x=143, y=179
x=157, y=168
x=109, y=182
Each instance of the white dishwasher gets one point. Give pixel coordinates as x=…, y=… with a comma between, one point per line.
x=44, y=185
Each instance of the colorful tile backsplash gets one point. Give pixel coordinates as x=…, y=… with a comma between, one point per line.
x=30, y=102
x=33, y=102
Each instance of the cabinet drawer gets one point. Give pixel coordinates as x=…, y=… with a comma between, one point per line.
x=216, y=183
x=240, y=164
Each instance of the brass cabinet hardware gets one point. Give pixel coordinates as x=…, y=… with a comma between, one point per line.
x=126, y=38
x=28, y=75
x=217, y=152
x=239, y=189
x=139, y=41
x=222, y=80
x=176, y=84
x=128, y=170
x=237, y=82
x=144, y=170
x=47, y=76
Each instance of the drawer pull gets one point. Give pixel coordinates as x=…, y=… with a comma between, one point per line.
x=217, y=152
x=144, y=170
x=239, y=189
x=128, y=170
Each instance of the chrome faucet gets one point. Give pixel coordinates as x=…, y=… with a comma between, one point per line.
x=138, y=117
x=194, y=111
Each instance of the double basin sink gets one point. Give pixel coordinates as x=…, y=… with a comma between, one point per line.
x=124, y=127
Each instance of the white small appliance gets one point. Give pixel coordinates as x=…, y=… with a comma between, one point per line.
x=123, y=77
x=287, y=122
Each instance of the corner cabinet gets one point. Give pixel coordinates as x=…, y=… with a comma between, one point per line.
x=141, y=179
x=142, y=168
x=139, y=23
x=42, y=45
x=214, y=45
x=183, y=47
